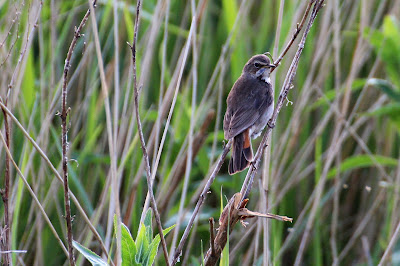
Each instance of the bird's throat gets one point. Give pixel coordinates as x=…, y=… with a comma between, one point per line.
x=265, y=77
x=263, y=74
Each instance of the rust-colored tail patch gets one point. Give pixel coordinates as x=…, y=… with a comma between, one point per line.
x=247, y=149
x=242, y=153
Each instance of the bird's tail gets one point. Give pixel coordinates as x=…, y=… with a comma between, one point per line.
x=242, y=153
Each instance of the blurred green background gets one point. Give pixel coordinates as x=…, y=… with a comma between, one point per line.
x=333, y=162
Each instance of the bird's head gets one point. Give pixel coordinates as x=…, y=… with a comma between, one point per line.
x=259, y=66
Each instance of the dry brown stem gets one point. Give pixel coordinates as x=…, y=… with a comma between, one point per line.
x=63, y=116
x=5, y=193
x=212, y=236
x=233, y=212
x=299, y=26
x=142, y=141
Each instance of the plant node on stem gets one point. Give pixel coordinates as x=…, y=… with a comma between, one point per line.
x=64, y=142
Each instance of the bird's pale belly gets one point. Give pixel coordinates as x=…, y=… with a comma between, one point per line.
x=259, y=125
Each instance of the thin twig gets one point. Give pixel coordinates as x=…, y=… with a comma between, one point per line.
x=16, y=19
x=142, y=141
x=5, y=193
x=299, y=26
x=29, y=38
x=212, y=236
x=63, y=116
x=65, y=144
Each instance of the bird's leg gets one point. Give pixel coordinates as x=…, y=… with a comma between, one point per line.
x=253, y=164
x=271, y=124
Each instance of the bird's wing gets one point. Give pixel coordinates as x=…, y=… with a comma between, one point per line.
x=251, y=100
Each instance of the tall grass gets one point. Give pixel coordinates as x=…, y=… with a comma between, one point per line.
x=334, y=155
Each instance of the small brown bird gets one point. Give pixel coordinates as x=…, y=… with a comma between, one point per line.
x=249, y=110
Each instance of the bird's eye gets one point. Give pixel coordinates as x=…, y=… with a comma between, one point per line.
x=257, y=65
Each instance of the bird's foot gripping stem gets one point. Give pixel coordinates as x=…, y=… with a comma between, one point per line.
x=253, y=165
x=271, y=124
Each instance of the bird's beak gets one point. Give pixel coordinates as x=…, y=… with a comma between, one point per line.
x=269, y=65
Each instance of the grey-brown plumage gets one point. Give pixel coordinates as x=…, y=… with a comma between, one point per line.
x=249, y=108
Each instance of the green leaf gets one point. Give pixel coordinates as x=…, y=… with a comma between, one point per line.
x=129, y=22
x=386, y=87
x=363, y=161
x=148, y=225
x=390, y=49
x=92, y=257
x=28, y=82
x=375, y=37
x=202, y=250
x=225, y=252
x=390, y=110
x=154, y=246
x=195, y=261
x=331, y=94
x=142, y=244
x=129, y=250
x=386, y=45
x=391, y=28
x=230, y=11
x=128, y=247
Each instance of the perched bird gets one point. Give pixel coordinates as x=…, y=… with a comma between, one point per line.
x=249, y=108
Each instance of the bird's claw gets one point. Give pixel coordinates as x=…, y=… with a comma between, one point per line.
x=270, y=124
x=253, y=165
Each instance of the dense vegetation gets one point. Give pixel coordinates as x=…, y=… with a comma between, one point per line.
x=332, y=164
